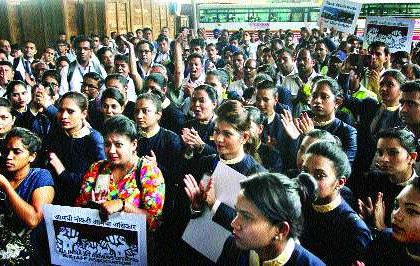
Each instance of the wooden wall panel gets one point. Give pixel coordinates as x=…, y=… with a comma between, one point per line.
x=53, y=21
x=4, y=19
x=111, y=15
x=14, y=27
x=42, y=20
x=72, y=23
x=94, y=16
x=135, y=14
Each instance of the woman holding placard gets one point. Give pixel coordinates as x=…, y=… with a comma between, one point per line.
x=124, y=182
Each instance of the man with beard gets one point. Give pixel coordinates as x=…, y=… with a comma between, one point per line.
x=72, y=76
x=380, y=53
x=301, y=82
x=242, y=86
x=285, y=62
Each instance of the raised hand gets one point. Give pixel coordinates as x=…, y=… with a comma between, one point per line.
x=194, y=192
x=56, y=163
x=373, y=212
x=210, y=193
x=304, y=123
x=288, y=124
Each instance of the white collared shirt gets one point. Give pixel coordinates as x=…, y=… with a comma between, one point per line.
x=76, y=80
x=238, y=86
x=186, y=103
x=291, y=83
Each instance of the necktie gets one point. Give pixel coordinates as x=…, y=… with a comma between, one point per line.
x=27, y=65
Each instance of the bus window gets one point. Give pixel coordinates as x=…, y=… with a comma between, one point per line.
x=313, y=16
x=262, y=15
x=413, y=9
x=222, y=16
x=241, y=15
x=283, y=15
x=297, y=16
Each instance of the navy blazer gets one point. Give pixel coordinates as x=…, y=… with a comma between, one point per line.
x=385, y=250
x=286, y=146
x=232, y=255
x=347, y=135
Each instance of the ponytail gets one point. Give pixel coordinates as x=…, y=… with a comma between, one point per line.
x=252, y=145
x=279, y=198
x=307, y=189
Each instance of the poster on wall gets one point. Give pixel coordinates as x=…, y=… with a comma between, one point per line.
x=77, y=236
x=397, y=33
x=340, y=14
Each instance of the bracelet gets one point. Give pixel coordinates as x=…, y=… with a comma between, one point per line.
x=195, y=213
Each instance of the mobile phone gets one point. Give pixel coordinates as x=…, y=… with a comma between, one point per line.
x=359, y=60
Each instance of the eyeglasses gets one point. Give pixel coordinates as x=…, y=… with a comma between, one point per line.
x=249, y=67
x=79, y=49
x=89, y=85
x=48, y=84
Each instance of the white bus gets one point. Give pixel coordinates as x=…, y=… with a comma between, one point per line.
x=293, y=16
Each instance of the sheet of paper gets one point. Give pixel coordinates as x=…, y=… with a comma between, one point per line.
x=340, y=14
x=397, y=33
x=204, y=235
x=226, y=183
x=77, y=236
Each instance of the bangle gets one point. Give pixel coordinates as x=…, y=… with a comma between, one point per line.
x=123, y=205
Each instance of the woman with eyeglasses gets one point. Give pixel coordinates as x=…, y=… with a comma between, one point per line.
x=24, y=191
x=332, y=230
x=394, y=167
x=268, y=221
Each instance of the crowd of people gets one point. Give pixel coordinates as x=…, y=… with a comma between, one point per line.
x=326, y=133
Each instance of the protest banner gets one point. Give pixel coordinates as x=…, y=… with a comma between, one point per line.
x=340, y=14
x=77, y=236
x=396, y=32
x=204, y=235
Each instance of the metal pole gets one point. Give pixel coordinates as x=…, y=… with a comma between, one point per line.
x=194, y=17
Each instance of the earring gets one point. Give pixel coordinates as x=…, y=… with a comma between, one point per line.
x=276, y=238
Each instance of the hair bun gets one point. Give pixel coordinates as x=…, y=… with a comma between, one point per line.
x=308, y=190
